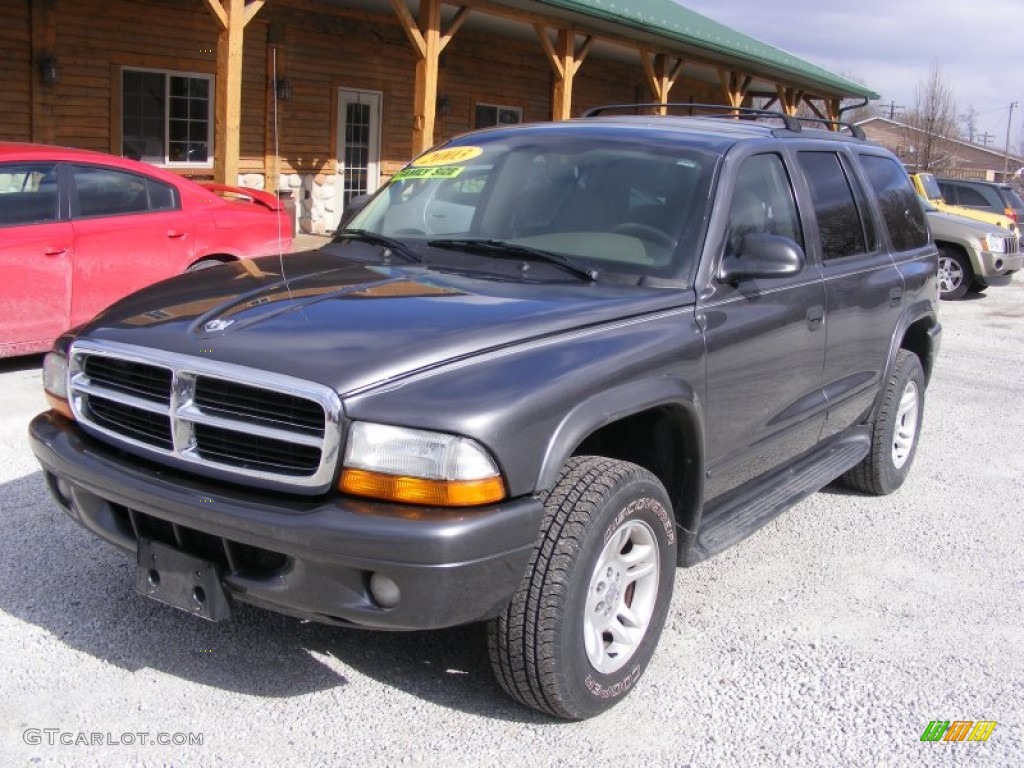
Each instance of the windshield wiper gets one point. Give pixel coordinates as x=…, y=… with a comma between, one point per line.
x=505, y=250
x=366, y=236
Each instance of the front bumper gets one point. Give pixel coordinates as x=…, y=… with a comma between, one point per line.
x=311, y=558
x=998, y=268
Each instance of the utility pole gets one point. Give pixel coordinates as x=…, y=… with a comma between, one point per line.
x=985, y=138
x=893, y=106
x=1006, y=151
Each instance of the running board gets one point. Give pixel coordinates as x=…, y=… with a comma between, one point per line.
x=737, y=518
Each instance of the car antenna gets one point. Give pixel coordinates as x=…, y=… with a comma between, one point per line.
x=277, y=154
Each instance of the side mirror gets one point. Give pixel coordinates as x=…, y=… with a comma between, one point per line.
x=355, y=205
x=764, y=256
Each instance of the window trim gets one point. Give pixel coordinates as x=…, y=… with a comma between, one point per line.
x=211, y=118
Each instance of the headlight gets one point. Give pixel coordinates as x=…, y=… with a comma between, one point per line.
x=55, y=383
x=993, y=243
x=418, y=467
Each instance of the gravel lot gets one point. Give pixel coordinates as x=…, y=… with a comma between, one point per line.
x=830, y=638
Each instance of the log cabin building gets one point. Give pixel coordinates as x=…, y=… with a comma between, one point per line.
x=328, y=98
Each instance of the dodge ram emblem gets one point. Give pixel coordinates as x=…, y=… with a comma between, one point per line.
x=217, y=325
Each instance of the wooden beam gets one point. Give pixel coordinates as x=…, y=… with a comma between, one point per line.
x=814, y=108
x=251, y=9
x=409, y=25
x=581, y=54
x=218, y=11
x=549, y=49
x=457, y=22
x=233, y=15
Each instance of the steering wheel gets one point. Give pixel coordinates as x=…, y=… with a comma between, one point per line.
x=645, y=232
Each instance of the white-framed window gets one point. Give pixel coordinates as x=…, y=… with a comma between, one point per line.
x=495, y=114
x=167, y=116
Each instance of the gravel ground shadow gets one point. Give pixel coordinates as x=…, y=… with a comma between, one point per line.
x=57, y=576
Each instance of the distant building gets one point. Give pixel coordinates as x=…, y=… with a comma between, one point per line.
x=959, y=159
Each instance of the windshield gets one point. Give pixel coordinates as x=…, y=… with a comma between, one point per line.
x=607, y=203
x=930, y=186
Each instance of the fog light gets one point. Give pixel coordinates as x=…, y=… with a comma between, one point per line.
x=999, y=263
x=384, y=590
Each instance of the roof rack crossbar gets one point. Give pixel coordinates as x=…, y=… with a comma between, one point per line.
x=855, y=130
x=791, y=123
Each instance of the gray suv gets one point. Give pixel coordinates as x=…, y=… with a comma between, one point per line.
x=544, y=366
x=1001, y=199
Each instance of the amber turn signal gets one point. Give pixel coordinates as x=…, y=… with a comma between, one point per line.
x=416, y=490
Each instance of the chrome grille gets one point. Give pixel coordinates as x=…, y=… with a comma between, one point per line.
x=217, y=419
x=1011, y=245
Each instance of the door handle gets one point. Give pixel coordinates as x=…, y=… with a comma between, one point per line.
x=54, y=251
x=815, y=318
x=175, y=234
x=895, y=297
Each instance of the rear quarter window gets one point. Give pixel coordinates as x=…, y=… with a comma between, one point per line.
x=901, y=210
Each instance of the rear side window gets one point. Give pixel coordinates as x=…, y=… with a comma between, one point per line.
x=903, y=214
x=109, y=192
x=840, y=221
x=970, y=197
x=28, y=193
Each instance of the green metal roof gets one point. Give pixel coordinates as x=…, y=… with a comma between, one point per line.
x=669, y=20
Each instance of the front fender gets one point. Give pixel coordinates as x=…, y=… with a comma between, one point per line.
x=533, y=402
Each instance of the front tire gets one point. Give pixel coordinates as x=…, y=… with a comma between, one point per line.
x=955, y=274
x=586, y=618
x=895, y=433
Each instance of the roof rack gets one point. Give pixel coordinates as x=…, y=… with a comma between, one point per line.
x=855, y=130
x=791, y=123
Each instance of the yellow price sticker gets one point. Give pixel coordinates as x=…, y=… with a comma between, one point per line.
x=448, y=156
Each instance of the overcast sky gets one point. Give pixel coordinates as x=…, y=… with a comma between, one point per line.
x=891, y=45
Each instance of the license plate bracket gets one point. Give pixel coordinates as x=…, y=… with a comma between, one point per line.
x=181, y=581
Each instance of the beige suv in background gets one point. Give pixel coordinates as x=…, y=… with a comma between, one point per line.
x=972, y=254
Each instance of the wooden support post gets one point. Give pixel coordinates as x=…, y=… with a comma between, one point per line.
x=44, y=44
x=565, y=60
x=425, y=98
x=428, y=41
x=660, y=77
x=232, y=15
x=789, y=98
x=832, y=109
x=735, y=86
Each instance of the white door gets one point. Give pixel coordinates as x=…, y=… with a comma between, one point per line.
x=358, y=145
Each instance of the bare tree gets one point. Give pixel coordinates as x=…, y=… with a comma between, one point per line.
x=931, y=123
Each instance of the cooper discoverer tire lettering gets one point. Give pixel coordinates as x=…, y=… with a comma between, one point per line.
x=586, y=618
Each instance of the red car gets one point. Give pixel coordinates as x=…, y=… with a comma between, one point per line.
x=79, y=230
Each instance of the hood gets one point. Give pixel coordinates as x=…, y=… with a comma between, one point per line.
x=955, y=225
x=350, y=324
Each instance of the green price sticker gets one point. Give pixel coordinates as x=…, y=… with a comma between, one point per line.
x=432, y=172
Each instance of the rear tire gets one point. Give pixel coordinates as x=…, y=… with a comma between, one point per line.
x=584, y=623
x=955, y=274
x=895, y=433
